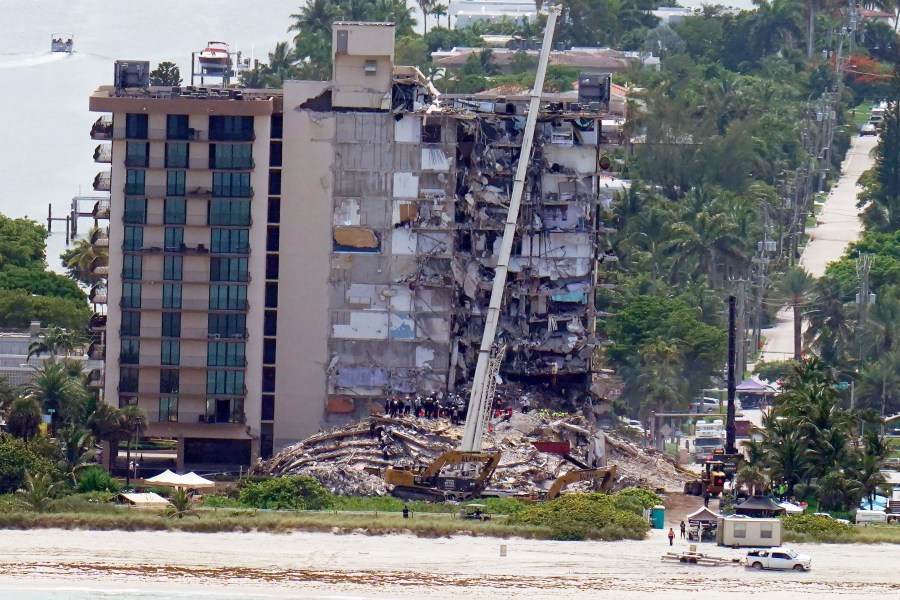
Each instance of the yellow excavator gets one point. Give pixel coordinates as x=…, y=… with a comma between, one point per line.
x=462, y=474
x=602, y=476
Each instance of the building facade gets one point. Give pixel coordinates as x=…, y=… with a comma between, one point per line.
x=284, y=260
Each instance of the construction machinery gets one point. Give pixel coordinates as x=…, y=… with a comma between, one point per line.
x=464, y=473
x=602, y=476
x=712, y=480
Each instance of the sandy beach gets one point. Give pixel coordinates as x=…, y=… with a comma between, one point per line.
x=319, y=565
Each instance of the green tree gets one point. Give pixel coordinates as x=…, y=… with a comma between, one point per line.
x=133, y=422
x=82, y=258
x=105, y=424
x=17, y=459
x=58, y=393
x=315, y=16
x=795, y=287
x=166, y=74
x=291, y=491
x=54, y=341
x=76, y=446
x=180, y=505
x=37, y=493
x=23, y=419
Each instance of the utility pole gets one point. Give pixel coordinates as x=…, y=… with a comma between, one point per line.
x=741, y=329
x=730, y=429
x=863, y=266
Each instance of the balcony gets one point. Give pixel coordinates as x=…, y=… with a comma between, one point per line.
x=185, y=390
x=166, y=219
x=97, y=322
x=184, y=362
x=102, y=129
x=239, y=191
x=95, y=379
x=157, y=247
x=100, y=238
x=139, y=161
x=102, y=181
x=99, y=267
x=97, y=294
x=103, y=153
x=160, y=135
x=156, y=304
x=186, y=333
x=101, y=209
x=96, y=351
x=229, y=417
x=185, y=277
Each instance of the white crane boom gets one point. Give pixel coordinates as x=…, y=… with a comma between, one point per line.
x=479, y=403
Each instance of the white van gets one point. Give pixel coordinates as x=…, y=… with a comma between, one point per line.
x=871, y=516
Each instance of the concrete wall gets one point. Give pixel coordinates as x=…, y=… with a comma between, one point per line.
x=306, y=217
x=363, y=63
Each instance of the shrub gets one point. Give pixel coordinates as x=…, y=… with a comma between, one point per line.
x=17, y=459
x=816, y=526
x=96, y=479
x=584, y=516
x=644, y=497
x=292, y=491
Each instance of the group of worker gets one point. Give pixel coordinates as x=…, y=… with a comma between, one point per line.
x=430, y=407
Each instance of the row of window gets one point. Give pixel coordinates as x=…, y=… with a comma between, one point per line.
x=224, y=184
x=218, y=325
x=217, y=410
x=273, y=242
x=218, y=354
x=221, y=127
x=177, y=156
x=218, y=212
x=224, y=383
x=221, y=297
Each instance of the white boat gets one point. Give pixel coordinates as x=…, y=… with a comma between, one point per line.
x=62, y=42
x=215, y=58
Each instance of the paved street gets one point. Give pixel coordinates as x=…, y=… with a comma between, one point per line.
x=839, y=225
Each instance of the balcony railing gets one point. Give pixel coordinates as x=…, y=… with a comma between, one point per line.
x=185, y=362
x=231, y=417
x=102, y=181
x=95, y=378
x=98, y=294
x=157, y=247
x=186, y=333
x=97, y=322
x=185, y=276
x=96, y=351
x=103, y=153
x=187, y=389
x=162, y=135
x=142, y=218
x=185, y=305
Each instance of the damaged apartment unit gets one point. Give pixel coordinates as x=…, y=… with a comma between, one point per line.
x=419, y=192
x=282, y=260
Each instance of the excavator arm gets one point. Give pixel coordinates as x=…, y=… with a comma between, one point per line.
x=605, y=476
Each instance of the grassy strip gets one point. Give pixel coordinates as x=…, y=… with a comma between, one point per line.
x=871, y=534
x=207, y=521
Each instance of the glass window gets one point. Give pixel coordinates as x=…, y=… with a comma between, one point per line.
x=136, y=154
x=268, y=407
x=224, y=382
x=230, y=241
x=168, y=381
x=134, y=238
x=131, y=323
x=740, y=530
x=274, y=210
x=173, y=267
x=230, y=128
x=227, y=326
x=175, y=211
x=231, y=185
x=177, y=127
x=271, y=266
x=270, y=323
x=225, y=354
x=136, y=126
x=170, y=352
x=177, y=155
x=229, y=212
x=171, y=295
x=128, y=379
x=274, y=154
x=271, y=295
x=131, y=294
x=268, y=379
x=171, y=324
x=131, y=266
x=230, y=156
x=269, y=351
x=765, y=530
x=273, y=236
x=277, y=126
x=168, y=408
x=228, y=297
x=131, y=352
x=134, y=182
x=275, y=182
x=175, y=183
x=174, y=239
x=228, y=269
x=135, y=210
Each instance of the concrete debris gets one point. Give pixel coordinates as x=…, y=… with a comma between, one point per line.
x=349, y=460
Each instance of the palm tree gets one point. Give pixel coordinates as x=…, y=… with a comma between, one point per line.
x=54, y=340
x=884, y=320
x=24, y=418
x=660, y=381
x=77, y=448
x=7, y=395
x=316, y=15
x=425, y=6
x=829, y=329
x=776, y=20
x=870, y=478
x=58, y=393
x=105, y=423
x=133, y=422
x=878, y=385
x=83, y=257
x=795, y=286
x=38, y=492
x=752, y=476
x=180, y=505
x=440, y=10
x=711, y=240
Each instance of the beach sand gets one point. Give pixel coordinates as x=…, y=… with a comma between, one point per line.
x=311, y=565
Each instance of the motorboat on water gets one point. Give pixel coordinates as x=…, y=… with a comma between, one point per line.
x=215, y=58
x=62, y=42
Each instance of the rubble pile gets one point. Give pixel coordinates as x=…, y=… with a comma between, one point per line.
x=349, y=460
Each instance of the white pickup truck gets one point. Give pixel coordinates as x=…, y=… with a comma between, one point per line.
x=777, y=558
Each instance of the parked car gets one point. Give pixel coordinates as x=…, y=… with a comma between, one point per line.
x=705, y=405
x=778, y=558
x=868, y=129
x=833, y=518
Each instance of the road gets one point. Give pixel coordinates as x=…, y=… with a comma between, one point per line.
x=838, y=226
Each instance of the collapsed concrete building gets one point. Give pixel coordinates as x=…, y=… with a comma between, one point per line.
x=420, y=196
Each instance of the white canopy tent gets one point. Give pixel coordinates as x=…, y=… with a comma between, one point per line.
x=791, y=509
x=190, y=480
